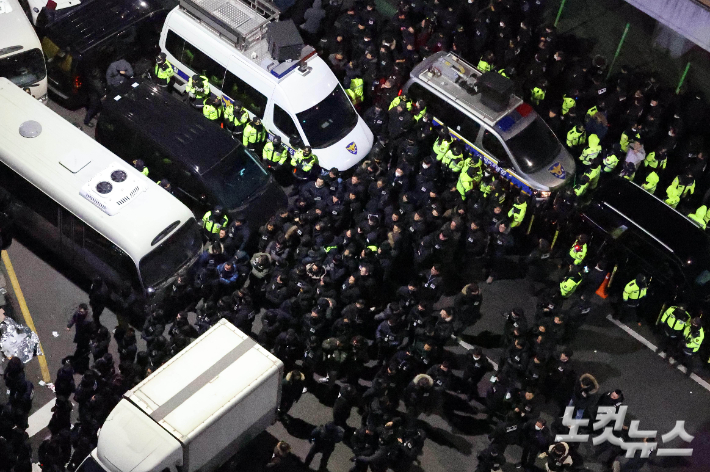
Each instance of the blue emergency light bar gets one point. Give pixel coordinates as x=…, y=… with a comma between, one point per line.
x=280, y=75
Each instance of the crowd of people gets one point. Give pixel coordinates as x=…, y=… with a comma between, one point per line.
x=345, y=280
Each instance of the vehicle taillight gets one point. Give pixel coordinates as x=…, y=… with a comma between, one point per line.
x=399, y=93
x=77, y=84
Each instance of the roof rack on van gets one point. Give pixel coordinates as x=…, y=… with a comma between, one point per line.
x=488, y=95
x=241, y=22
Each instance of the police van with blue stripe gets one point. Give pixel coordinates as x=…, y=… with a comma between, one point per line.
x=250, y=56
x=504, y=132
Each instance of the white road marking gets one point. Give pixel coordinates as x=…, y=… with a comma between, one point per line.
x=653, y=347
x=40, y=418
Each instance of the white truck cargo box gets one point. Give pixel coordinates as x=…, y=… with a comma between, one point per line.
x=213, y=397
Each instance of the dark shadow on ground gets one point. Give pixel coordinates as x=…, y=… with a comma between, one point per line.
x=257, y=455
x=297, y=427
x=447, y=438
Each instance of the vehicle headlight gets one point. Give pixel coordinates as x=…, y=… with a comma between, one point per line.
x=544, y=194
x=43, y=99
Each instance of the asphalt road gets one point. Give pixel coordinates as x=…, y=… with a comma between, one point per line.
x=657, y=395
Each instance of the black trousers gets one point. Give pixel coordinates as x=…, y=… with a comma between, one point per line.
x=96, y=310
x=92, y=108
x=628, y=313
x=326, y=449
x=669, y=345
x=530, y=452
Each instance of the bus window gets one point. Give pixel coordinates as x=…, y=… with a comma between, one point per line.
x=171, y=254
x=110, y=254
x=492, y=144
x=29, y=195
x=71, y=234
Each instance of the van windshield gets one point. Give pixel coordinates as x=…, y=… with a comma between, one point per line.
x=236, y=177
x=534, y=147
x=90, y=465
x=168, y=258
x=329, y=121
x=24, y=68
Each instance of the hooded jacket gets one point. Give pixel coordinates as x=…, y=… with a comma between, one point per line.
x=419, y=397
x=558, y=463
x=313, y=17
x=591, y=151
x=584, y=391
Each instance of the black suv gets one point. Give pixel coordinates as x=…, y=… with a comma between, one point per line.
x=95, y=35
x=205, y=166
x=643, y=234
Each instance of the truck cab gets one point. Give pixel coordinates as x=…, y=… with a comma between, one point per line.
x=194, y=412
x=152, y=449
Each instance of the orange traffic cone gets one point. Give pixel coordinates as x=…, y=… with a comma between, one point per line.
x=601, y=291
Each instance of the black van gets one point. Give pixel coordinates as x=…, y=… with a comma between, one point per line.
x=205, y=166
x=94, y=36
x=646, y=235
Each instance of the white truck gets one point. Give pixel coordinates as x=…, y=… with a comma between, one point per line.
x=194, y=412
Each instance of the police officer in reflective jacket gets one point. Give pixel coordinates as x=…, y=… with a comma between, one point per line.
x=198, y=89
x=634, y=292
x=163, y=72
x=212, y=222
x=673, y=323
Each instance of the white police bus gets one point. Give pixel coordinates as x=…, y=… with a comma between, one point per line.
x=503, y=131
x=86, y=205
